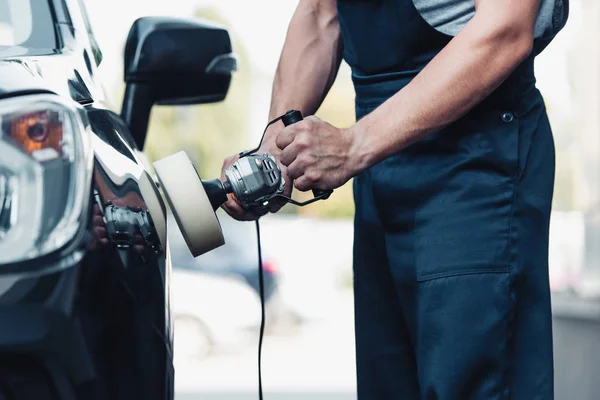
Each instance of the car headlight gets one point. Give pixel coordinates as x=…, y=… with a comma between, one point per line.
x=45, y=172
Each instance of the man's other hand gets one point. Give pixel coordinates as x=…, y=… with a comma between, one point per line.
x=233, y=208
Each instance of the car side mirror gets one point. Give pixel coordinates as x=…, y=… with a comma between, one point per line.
x=172, y=61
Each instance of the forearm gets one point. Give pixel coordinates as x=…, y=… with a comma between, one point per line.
x=310, y=59
x=468, y=70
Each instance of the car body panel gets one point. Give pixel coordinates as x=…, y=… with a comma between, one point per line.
x=104, y=322
x=54, y=73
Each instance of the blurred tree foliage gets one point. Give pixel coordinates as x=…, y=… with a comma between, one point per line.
x=209, y=133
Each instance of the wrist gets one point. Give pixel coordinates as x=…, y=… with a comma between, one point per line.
x=360, y=154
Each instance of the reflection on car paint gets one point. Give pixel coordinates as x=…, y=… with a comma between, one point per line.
x=130, y=217
x=129, y=222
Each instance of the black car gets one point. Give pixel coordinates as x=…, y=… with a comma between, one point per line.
x=84, y=254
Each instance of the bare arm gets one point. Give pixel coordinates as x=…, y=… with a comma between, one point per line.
x=309, y=62
x=485, y=52
x=470, y=68
x=310, y=58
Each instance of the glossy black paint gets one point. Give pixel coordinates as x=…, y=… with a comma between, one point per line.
x=102, y=328
x=171, y=61
x=63, y=72
x=160, y=49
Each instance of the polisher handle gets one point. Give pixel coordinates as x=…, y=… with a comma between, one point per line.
x=291, y=117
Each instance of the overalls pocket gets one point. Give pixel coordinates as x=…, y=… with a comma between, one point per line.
x=463, y=221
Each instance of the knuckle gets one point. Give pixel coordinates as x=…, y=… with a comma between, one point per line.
x=293, y=174
x=312, y=176
x=302, y=186
x=303, y=125
x=284, y=159
x=306, y=159
x=289, y=132
x=304, y=141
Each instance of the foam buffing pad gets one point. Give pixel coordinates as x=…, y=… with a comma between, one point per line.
x=189, y=203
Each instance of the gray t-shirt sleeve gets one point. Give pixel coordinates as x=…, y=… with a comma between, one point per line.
x=450, y=16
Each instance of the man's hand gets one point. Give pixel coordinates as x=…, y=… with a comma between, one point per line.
x=317, y=155
x=233, y=208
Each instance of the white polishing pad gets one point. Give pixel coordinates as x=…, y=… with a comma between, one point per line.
x=190, y=205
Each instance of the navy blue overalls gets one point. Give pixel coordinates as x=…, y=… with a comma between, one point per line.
x=452, y=297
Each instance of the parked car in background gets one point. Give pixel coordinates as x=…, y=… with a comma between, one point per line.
x=212, y=314
x=84, y=255
x=238, y=257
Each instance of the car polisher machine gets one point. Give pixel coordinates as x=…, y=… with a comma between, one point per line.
x=254, y=180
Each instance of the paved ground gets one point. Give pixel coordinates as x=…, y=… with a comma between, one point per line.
x=316, y=362
x=253, y=396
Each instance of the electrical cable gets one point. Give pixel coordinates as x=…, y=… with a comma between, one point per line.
x=261, y=285
x=248, y=152
x=261, y=279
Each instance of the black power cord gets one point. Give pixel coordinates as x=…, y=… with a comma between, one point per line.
x=261, y=285
x=254, y=150
x=288, y=118
x=261, y=278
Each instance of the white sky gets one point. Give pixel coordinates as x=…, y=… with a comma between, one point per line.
x=252, y=22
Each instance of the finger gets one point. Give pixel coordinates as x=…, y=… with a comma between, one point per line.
x=99, y=232
x=230, y=207
x=303, y=184
x=289, y=154
x=297, y=168
x=227, y=163
x=98, y=220
x=230, y=160
x=236, y=211
x=285, y=137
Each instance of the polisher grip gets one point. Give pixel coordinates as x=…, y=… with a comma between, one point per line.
x=291, y=117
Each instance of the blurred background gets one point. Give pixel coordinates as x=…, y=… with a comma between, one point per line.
x=309, y=346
